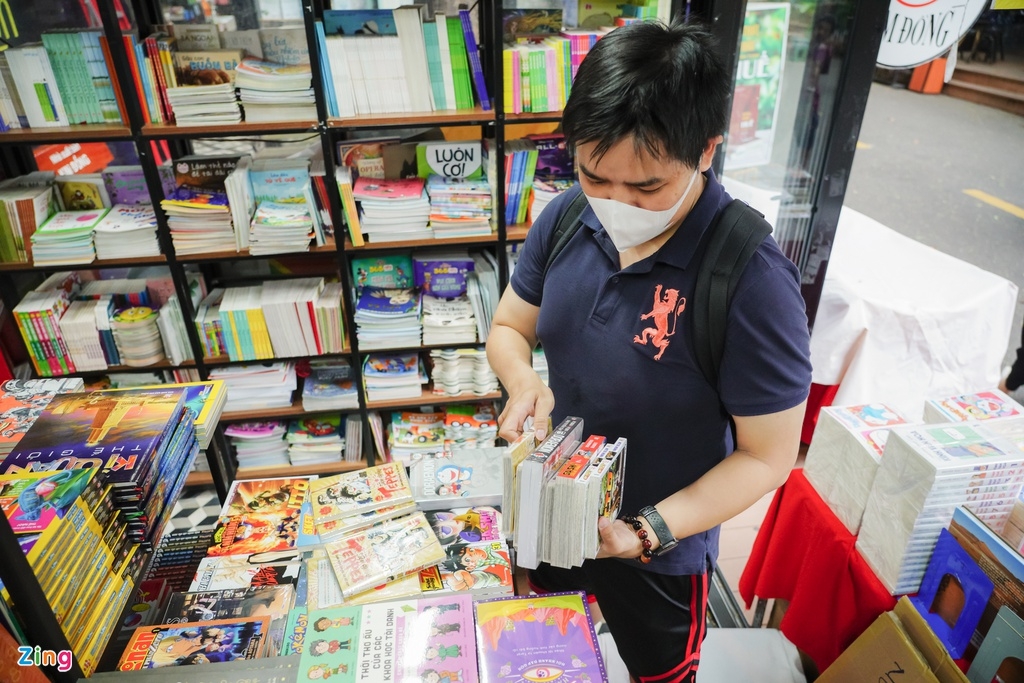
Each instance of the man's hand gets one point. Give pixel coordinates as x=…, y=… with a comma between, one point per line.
x=617, y=539
x=535, y=400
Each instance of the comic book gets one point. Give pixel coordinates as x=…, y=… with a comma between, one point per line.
x=424, y=639
x=471, y=476
x=351, y=493
x=383, y=553
x=218, y=573
x=481, y=570
x=537, y=637
x=272, y=601
x=31, y=501
x=333, y=529
x=201, y=642
x=255, y=532
x=118, y=431
x=204, y=399
x=266, y=495
x=22, y=401
x=466, y=524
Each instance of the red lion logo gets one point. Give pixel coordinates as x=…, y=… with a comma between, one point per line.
x=668, y=306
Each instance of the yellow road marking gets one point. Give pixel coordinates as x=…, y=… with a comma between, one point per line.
x=1009, y=208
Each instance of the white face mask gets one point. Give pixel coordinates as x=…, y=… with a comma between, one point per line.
x=628, y=225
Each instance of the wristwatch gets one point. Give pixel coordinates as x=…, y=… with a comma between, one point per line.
x=665, y=538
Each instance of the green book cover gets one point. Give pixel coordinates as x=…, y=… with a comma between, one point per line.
x=538, y=84
x=450, y=159
x=460, y=64
x=434, y=64
x=55, y=52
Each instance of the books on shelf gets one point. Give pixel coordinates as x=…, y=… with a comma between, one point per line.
x=447, y=320
x=127, y=231
x=393, y=210
x=459, y=208
x=199, y=221
x=275, y=92
x=66, y=238
x=205, y=91
x=81, y=192
x=23, y=208
x=329, y=386
x=387, y=318
x=315, y=440
x=137, y=336
x=36, y=84
x=462, y=477
x=201, y=642
x=470, y=425
x=393, y=376
x=259, y=444
x=413, y=434
x=458, y=371
x=257, y=387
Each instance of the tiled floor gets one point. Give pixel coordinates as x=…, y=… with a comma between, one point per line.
x=197, y=508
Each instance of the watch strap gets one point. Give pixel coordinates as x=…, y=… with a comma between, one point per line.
x=666, y=540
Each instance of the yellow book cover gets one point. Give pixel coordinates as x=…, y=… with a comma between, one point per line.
x=82, y=192
x=260, y=334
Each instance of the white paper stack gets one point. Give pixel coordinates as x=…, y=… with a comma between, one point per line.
x=275, y=92
x=255, y=387
x=78, y=327
x=458, y=371
x=447, y=320
x=353, y=438
x=171, y=322
x=926, y=472
x=127, y=230
x=328, y=319
x=240, y=201
x=984, y=405
x=844, y=455
x=201, y=105
x=259, y=444
x=288, y=309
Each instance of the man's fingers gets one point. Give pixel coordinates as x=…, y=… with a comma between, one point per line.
x=541, y=413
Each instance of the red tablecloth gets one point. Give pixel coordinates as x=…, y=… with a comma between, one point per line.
x=805, y=555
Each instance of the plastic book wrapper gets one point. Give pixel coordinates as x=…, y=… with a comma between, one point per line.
x=514, y=453
x=984, y=405
x=219, y=640
x=471, y=476
x=352, y=493
x=925, y=473
x=844, y=455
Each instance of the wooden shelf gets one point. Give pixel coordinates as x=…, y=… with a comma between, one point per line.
x=329, y=248
x=282, y=413
x=245, y=128
x=534, y=117
x=82, y=133
x=517, y=233
x=225, y=359
x=428, y=118
x=428, y=398
x=420, y=347
x=162, y=365
x=412, y=244
x=94, y=265
x=206, y=479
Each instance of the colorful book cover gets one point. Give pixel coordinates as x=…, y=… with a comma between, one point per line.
x=466, y=524
x=67, y=222
x=388, y=271
x=203, y=171
x=209, y=67
x=366, y=157
x=219, y=573
x=315, y=430
x=423, y=431
x=126, y=185
x=201, y=398
x=22, y=401
x=471, y=476
x=212, y=200
x=985, y=405
x=283, y=186
x=373, y=188
x=202, y=642
x=391, y=366
x=450, y=159
x=82, y=193
x=383, y=553
x=295, y=632
x=352, y=493
x=119, y=431
x=255, y=532
x=274, y=602
x=31, y=501
x=255, y=430
x=480, y=570
x=387, y=302
x=333, y=529
x=127, y=218
x=537, y=638
x=424, y=639
x=443, y=276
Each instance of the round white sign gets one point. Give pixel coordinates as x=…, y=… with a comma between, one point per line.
x=918, y=31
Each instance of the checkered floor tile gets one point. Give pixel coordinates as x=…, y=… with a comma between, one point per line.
x=197, y=509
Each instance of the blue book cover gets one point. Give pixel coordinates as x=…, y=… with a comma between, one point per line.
x=401, y=365
x=359, y=22
x=325, y=69
x=388, y=302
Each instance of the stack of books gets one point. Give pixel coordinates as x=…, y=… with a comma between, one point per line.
x=545, y=191
x=925, y=473
x=137, y=336
x=22, y=210
x=257, y=387
x=200, y=221
x=441, y=481
x=279, y=228
x=259, y=444
x=447, y=320
x=539, y=74
x=388, y=318
x=459, y=371
x=415, y=434
x=470, y=425
x=984, y=405
x=390, y=377
x=275, y=92
x=520, y=163
x=82, y=337
x=38, y=316
x=289, y=308
x=23, y=400
x=241, y=317
x=205, y=92
x=205, y=400
x=66, y=238
x=127, y=231
x=316, y=440
x=329, y=386
x=393, y=210
x=459, y=208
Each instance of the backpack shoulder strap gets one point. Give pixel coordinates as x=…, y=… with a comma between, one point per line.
x=733, y=239
x=568, y=223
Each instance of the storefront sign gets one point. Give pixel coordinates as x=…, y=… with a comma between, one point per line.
x=918, y=31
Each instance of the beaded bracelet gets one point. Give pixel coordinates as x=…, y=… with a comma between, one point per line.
x=646, y=553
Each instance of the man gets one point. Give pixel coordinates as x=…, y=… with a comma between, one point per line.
x=648, y=108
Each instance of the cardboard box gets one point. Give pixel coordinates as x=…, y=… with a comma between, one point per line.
x=898, y=647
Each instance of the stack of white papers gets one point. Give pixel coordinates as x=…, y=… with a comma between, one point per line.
x=240, y=201
x=202, y=105
x=275, y=92
x=255, y=387
x=81, y=336
x=127, y=230
x=291, y=319
x=458, y=371
x=482, y=290
x=388, y=318
x=926, y=472
x=447, y=320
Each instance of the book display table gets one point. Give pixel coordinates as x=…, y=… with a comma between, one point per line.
x=805, y=555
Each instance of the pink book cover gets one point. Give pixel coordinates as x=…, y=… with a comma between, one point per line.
x=554, y=76
x=375, y=188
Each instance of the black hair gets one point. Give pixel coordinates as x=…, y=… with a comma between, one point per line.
x=663, y=85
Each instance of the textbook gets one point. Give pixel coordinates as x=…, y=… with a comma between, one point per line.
x=471, y=476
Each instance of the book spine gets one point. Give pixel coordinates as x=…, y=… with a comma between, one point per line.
x=120, y=114
x=129, y=46
x=460, y=65
x=326, y=73
x=434, y=65
x=474, y=60
x=160, y=83
x=527, y=186
x=444, y=49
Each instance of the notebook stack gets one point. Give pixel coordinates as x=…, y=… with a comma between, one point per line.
x=926, y=472
x=205, y=92
x=387, y=318
x=844, y=456
x=66, y=238
x=280, y=228
x=200, y=221
x=389, y=377
x=458, y=371
x=137, y=336
x=393, y=210
x=275, y=92
x=259, y=444
x=127, y=231
x=256, y=387
x=459, y=208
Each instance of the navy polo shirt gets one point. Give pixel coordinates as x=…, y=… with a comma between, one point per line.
x=620, y=352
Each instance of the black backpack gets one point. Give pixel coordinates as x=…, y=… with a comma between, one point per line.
x=732, y=238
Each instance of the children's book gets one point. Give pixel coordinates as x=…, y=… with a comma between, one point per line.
x=207, y=172
x=424, y=639
x=391, y=366
x=202, y=642
x=352, y=493
x=373, y=188
x=22, y=401
x=209, y=67
x=199, y=199
x=255, y=532
x=295, y=632
x=385, y=303
x=450, y=159
x=421, y=431
x=126, y=185
x=481, y=570
x=387, y=271
x=85, y=192
x=537, y=637
x=67, y=223
x=472, y=476
x=127, y=218
x=31, y=501
x=383, y=553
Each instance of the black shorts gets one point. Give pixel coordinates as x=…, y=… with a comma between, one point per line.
x=658, y=621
